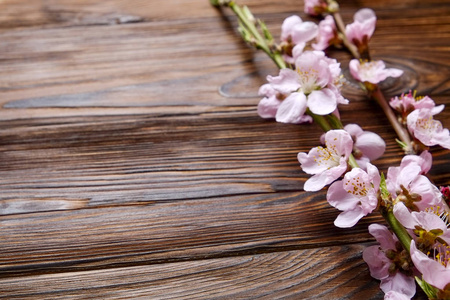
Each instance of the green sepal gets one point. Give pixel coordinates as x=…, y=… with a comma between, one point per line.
x=429, y=290
x=265, y=31
x=402, y=145
x=244, y=32
x=248, y=14
x=218, y=3
x=385, y=195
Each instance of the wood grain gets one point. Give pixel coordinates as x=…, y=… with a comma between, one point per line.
x=157, y=232
x=133, y=163
x=306, y=274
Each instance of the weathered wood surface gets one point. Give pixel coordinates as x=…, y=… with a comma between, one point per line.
x=133, y=164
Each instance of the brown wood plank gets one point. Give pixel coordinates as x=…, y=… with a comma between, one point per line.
x=324, y=273
x=50, y=164
x=63, y=13
x=96, y=68
x=158, y=232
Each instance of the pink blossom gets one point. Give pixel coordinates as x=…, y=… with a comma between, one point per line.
x=286, y=82
x=405, y=183
x=361, y=30
x=424, y=161
x=373, y=71
x=356, y=195
x=315, y=7
x=329, y=163
x=294, y=35
x=393, y=295
x=445, y=190
x=428, y=220
x=292, y=110
x=380, y=265
x=435, y=272
x=313, y=72
x=428, y=131
x=295, y=30
x=272, y=104
x=406, y=103
x=319, y=79
x=314, y=85
x=268, y=106
x=367, y=145
x=327, y=34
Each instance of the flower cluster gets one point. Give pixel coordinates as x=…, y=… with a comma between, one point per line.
x=416, y=245
x=419, y=207
x=312, y=86
x=417, y=114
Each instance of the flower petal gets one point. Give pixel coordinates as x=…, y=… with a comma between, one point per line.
x=354, y=129
x=322, y=102
x=304, y=32
x=292, y=109
x=393, y=295
x=404, y=216
x=377, y=261
x=383, y=236
x=286, y=82
x=393, y=72
x=370, y=144
x=354, y=66
x=432, y=271
x=288, y=25
x=297, y=51
x=267, y=107
x=340, y=142
x=349, y=218
x=364, y=14
x=318, y=181
x=425, y=161
x=339, y=198
x=374, y=176
x=400, y=283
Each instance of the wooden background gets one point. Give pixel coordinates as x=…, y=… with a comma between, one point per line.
x=133, y=163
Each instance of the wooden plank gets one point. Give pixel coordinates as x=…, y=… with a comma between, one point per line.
x=325, y=273
x=170, y=196
x=89, y=70
x=124, y=160
x=159, y=232
x=63, y=13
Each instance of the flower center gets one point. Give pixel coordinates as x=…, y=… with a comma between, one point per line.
x=308, y=80
x=369, y=69
x=426, y=124
x=441, y=213
x=441, y=254
x=327, y=157
x=356, y=186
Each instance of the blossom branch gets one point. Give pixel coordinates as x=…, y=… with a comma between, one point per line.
x=402, y=133
x=334, y=121
x=309, y=90
x=249, y=31
x=398, y=229
x=341, y=28
x=368, y=72
x=320, y=120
